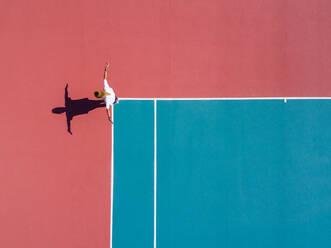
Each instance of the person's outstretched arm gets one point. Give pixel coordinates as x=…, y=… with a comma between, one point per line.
x=106, y=71
x=109, y=115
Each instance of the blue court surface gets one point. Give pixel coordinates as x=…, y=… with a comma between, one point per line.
x=227, y=173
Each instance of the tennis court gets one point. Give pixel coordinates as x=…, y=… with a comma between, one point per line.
x=222, y=173
x=189, y=173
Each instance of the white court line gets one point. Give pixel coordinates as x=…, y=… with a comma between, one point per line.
x=112, y=179
x=226, y=98
x=155, y=170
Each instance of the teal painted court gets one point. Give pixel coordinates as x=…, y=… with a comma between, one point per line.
x=229, y=173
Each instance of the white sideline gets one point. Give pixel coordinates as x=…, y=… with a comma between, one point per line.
x=227, y=98
x=155, y=170
x=112, y=179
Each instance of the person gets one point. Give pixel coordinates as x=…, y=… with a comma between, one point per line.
x=107, y=94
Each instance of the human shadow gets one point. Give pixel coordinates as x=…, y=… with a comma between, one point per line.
x=73, y=108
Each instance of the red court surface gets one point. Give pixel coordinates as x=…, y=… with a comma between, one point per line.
x=55, y=187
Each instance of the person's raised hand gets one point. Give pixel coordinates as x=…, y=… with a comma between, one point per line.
x=110, y=120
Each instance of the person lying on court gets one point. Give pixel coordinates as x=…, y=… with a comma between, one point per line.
x=107, y=94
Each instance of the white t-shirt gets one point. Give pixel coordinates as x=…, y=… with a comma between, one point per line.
x=109, y=99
